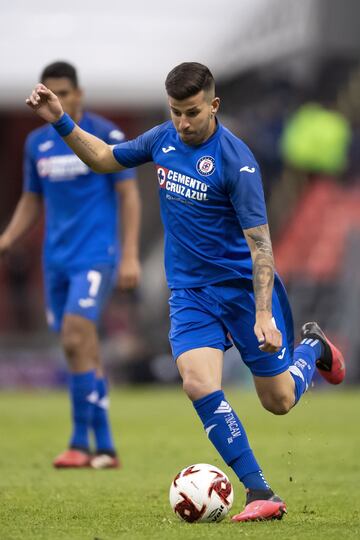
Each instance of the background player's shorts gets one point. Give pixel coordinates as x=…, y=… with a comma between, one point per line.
x=82, y=292
x=208, y=316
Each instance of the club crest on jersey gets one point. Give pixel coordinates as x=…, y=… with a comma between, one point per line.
x=161, y=174
x=205, y=165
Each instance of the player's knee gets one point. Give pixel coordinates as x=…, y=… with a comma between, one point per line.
x=196, y=389
x=277, y=404
x=72, y=340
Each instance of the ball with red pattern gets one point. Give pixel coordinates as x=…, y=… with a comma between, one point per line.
x=201, y=493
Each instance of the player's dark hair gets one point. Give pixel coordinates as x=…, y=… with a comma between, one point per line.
x=188, y=79
x=59, y=70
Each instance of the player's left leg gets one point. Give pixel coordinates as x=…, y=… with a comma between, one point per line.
x=281, y=378
x=56, y=293
x=281, y=392
x=88, y=387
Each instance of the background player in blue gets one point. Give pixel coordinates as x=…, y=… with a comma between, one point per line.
x=81, y=253
x=219, y=266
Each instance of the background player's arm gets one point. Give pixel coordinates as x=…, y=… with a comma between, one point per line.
x=92, y=151
x=129, y=271
x=259, y=242
x=27, y=213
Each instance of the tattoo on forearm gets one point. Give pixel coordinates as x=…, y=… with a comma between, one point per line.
x=262, y=243
x=87, y=144
x=263, y=269
x=263, y=279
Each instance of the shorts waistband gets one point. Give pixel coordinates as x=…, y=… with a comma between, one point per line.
x=239, y=283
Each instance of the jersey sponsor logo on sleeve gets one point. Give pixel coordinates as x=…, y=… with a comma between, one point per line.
x=117, y=135
x=205, y=165
x=247, y=169
x=181, y=184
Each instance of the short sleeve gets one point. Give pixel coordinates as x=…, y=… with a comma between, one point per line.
x=138, y=151
x=32, y=181
x=114, y=137
x=244, y=185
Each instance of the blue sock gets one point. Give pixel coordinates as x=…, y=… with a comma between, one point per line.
x=100, y=423
x=227, y=434
x=303, y=367
x=82, y=393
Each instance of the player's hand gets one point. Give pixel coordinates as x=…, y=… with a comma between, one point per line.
x=129, y=273
x=45, y=103
x=269, y=337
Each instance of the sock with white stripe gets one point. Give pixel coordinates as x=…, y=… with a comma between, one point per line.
x=227, y=434
x=82, y=393
x=303, y=367
x=101, y=424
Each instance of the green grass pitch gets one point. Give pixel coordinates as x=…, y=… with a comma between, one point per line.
x=310, y=457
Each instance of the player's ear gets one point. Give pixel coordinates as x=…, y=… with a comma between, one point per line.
x=215, y=104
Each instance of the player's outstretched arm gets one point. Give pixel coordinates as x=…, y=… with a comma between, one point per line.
x=27, y=213
x=94, y=152
x=259, y=242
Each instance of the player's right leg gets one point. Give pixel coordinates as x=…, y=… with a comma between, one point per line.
x=198, y=340
x=236, y=299
x=56, y=292
x=79, y=342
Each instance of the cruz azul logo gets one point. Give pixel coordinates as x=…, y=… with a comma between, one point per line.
x=181, y=184
x=205, y=165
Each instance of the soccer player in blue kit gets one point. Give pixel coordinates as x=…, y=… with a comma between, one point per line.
x=219, y=266
x=81, y=254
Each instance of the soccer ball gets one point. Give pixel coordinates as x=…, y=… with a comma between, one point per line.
x=201, y=493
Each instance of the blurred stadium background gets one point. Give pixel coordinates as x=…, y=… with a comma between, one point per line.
x=288, y=73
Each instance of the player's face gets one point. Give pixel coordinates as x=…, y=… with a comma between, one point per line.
x=194, y=117
x=69, y=96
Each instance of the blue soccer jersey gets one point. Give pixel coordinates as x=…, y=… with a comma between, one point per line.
x=81, y=224
x=208, y=195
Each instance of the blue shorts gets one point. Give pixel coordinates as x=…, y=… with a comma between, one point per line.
x=223, y=314
x=81, y=292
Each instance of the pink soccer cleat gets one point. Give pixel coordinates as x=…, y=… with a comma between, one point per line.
x=331, y=365
x=262, y=510
x=72, y=459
